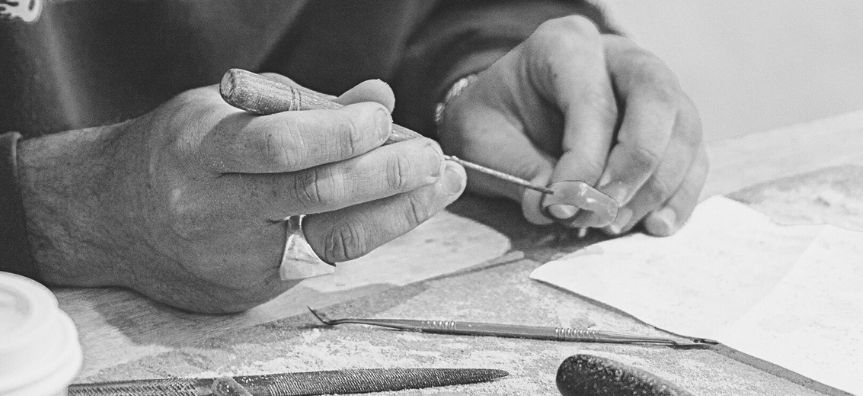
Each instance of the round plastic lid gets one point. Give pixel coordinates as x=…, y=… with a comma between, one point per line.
x=39, y=345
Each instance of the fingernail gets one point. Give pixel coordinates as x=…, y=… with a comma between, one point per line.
x=384, y=121
x=662, y=222
x=624, y=215
x=561, y=211
x=455, y=178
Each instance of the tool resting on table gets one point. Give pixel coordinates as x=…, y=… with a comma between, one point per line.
x=261, y=95
x=288, y=384
x=588, y=375
x=515, y=331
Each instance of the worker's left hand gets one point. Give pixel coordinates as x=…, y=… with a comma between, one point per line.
x=570, y=103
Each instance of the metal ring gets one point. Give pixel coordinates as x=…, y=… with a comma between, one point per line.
x=299, y=260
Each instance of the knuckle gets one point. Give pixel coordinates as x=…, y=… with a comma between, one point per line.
x=570, y=25
x=650, y=74
x=567, y=34
x=277, y=149
x=416, y=211
x=667, y=97
x=398, y=170
x=344, y=242
x=660, y=190
x=191, y=96
x=587, y=169
x=190, y=108
x=349, y=135
x=310, y=188
x=592, y=170
x=644, y=159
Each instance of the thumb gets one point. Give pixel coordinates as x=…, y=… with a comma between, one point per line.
x=366, y=91
x=531, y=200
x=488, y=138
x=369, y=91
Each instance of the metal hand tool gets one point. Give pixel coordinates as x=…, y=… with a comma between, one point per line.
x=515, y=331
x=288, y=384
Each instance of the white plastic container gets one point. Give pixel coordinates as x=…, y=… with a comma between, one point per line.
x=40, y=353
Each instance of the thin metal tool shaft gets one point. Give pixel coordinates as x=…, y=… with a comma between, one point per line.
x=498, y=174
x=513, y=331
x=261, y=95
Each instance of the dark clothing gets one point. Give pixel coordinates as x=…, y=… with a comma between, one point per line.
x=94, y=62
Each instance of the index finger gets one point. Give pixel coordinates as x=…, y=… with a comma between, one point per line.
x=651, y=97
x=296, y=140
x=576, y=79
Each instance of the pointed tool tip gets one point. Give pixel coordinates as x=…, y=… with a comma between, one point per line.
x=695, y=343
x=319, y=316
x=496, y=373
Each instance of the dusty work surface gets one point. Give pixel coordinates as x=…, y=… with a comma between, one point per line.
x=503, y=293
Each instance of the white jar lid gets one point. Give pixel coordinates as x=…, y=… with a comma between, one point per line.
x=39, y=349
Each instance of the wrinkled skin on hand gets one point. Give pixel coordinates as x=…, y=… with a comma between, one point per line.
x=183, y=204
x=570, y=103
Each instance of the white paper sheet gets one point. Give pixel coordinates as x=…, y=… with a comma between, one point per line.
x=789, y=295
x=812, y=321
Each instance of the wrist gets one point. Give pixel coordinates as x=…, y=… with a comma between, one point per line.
x=64, y=181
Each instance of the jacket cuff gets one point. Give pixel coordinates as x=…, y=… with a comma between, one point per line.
x=15, y=255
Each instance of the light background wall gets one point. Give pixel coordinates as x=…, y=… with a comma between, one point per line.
x=753, y=65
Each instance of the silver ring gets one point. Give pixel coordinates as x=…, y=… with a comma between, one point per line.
x=299, y=260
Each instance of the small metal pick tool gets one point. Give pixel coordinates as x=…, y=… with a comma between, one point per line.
x=517, y=331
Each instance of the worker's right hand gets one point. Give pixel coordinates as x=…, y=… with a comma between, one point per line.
x=183, y=203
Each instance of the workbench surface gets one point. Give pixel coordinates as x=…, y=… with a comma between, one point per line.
x=500, y=291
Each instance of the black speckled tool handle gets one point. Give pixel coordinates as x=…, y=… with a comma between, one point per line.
x=587, y=375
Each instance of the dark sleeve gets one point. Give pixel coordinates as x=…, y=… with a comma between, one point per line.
x=463, y=37
x=15, y=254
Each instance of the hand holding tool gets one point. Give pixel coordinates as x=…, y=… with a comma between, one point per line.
x=261, y=95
